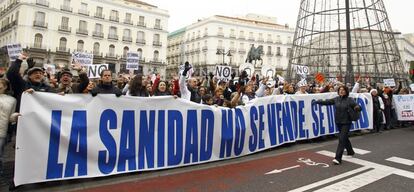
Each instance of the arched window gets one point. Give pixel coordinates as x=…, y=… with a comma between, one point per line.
x=156, y=56
x=80, y=46
x=62, y=44
x=126, y=49
x=139, y=50
x=96, y=48
x=38, y=40
x=111, y=50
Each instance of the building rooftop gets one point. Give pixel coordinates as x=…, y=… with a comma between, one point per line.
x=140, y=3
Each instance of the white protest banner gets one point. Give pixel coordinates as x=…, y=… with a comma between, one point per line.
x=223, y=72
x=79, y=136
x=248, y=67
x=404, y=106
x=94, y=71
x=268, y=71
x=300, y=69
x=51, y=69
x=82, y=58
x=14, y=51
x=389, y=82
x=132, y=61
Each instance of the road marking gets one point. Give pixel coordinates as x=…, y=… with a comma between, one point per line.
x=401, y=161
x=361, y=151
x=280, y=170
x=357, y=181
x=323, y=182
x=369, y=164
x=379, y=171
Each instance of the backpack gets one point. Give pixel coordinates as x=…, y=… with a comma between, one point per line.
x=354, y=115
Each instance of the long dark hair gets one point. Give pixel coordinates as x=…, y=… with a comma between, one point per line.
x=136, y=87
x=157, y=92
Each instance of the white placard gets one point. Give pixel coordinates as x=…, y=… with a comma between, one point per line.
x=268, y=71
x=223, y=72
x=14, y=51
x=94, y=71
x=82, y=58
x=389, y=82
x=404, y=107
x=51, y=69
x=132, y=61
x=300, y=69
x=248, y=67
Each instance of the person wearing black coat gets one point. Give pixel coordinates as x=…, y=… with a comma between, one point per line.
x=105, y=86
x=342, y=103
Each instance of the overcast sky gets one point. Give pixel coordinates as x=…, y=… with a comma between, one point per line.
x=186, y=12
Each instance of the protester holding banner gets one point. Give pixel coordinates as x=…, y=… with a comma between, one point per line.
x=105, y=85
x=34, y=82
x=66, y=86
x=342, y=103
x=137, y=87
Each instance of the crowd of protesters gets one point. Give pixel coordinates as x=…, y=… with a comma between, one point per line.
x=24, y=76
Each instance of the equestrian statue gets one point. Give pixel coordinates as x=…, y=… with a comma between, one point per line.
x=255, y=54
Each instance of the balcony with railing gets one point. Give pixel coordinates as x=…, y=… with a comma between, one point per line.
x=99, y=15
x=205, y=48
x=62, y=49
x=128, y=22
x=260, y=39
x=141, y=24
x=98, y=34
x=279, y=54
x=159, y=27
x=242, y=50
x=44, y=3
x=112, y=36
x=66, y=8
x=80, y=31
x=8, y=26
x=232, y=36
x=269, y=40
x=140, y=41
x=127, y=39
x=65, y=28
x=220, y=34
x=97, y=54
x=111, y=55
x=40, y=24
x=242, y=37
x=269, y=53
x=114, y=18
x=251, y=39
x=157, y=43
x=83, y=12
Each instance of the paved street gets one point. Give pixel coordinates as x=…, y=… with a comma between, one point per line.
x=383, y=162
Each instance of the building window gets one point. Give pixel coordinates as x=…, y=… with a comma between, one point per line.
x=38, y=40
x=66, y=6
x=114, y=16
x=126, y=49
x=65, y=22
x=83, y=28
x=98, y=13
x=128, y=18
x=111, y=50
x=157, y=41
x=139, y=50
x=98, y=29
x=80, y=46
x=156, y=56
x=113, y=34
x=157, y=24
x=141, y=37
x=84, y=9
x=127, y=35
x=40, y=19
x=96, y=48
x=141, y=21
x=62, y=44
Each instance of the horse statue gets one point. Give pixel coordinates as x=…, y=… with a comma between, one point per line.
x=255, y=54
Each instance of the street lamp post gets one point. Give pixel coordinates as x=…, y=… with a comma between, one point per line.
x=222, y=52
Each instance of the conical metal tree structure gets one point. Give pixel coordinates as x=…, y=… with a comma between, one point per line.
x=345, y=39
